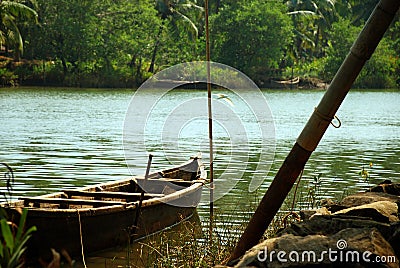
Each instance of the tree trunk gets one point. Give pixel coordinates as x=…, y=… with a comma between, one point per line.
x=65, y=67
x=217, y=6
x=156, y=45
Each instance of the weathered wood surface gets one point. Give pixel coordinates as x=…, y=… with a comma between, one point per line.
x=63, y=218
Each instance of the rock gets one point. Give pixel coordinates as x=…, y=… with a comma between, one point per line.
x=307, y=214
x=332, y=206
x=394, y=238
x=335, y=208
x=363, y=226
x=367, y=198
x=367, y=240
x=387, y=187
x=263, y=255
x=327, y=202
x=331, y=224
x=382, y=211
x=321, y=211
x=352, y=247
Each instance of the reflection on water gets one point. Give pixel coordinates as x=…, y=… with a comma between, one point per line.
x=153, y=250
x=55, y=138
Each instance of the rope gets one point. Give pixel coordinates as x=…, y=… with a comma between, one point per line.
x=328, y=118
x=207, y=185
x=80, y=234
x=322, y=116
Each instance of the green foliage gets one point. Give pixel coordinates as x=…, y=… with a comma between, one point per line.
x=176, y=21
x=7, y=77
x=324, y=33
x=305, y=69
x=96, y=41
x=342, y=37
x=121, y=43
x=382, y=69
x=379, y=72
x=312, y=21
x=314, y=191
x=364, y=173
x=13, y=242
x=249, y=37
x=13, y=14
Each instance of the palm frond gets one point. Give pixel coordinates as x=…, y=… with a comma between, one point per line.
x=19, y=11
x=303, y=12
x=12, y=33
x=331, y=2
x=192, y=5
x=305, y=38
x=192, y=27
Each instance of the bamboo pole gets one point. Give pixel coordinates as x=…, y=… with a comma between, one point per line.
x=210, y=122
x=319, y=121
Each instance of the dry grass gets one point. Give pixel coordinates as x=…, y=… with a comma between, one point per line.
x=188, y=244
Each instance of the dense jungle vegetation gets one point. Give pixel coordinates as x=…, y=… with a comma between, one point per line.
x=120, y=43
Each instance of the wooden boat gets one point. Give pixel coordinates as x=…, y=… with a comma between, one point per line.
x=294, y=82
x=97, y=217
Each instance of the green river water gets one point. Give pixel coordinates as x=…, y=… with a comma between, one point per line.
x=63, y=138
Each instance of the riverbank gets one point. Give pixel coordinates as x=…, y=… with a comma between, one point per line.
x=11, y=79
x=32, y=73
x=359, y=231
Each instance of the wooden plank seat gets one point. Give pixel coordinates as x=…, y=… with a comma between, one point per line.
x=166, y=179
x=172, y=180
x=179, y=182
x=65, y=202
x=105, y=194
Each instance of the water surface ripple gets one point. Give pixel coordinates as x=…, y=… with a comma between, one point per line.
x=63, y=138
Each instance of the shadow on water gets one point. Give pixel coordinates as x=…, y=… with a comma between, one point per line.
x=161, y=247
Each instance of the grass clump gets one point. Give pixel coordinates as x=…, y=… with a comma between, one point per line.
x=13, y=241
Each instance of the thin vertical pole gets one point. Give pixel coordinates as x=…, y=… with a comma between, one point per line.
x=210, y=122
x=139, y=207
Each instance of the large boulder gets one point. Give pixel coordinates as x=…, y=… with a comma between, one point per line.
x=367, y=198
x=331, y=224
x=394, y=237
x=381, y=211
x=352, y=247
x=362, y=230
x=387, y=187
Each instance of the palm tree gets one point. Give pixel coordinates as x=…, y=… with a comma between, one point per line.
x=362, y=9
x=12, y=15
x=174, y=10
x=312, y=20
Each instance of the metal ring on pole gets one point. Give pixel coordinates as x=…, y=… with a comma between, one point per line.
x=328, y=118
x=339, y=123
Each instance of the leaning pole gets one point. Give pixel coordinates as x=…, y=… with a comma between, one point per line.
x=360, y=52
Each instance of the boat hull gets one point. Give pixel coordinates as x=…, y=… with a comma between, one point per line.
x=89, y=229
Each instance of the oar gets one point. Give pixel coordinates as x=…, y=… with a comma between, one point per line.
x=138, y=208
x=315, y=128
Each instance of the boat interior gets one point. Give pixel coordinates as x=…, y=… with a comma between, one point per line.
x=124, y=192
